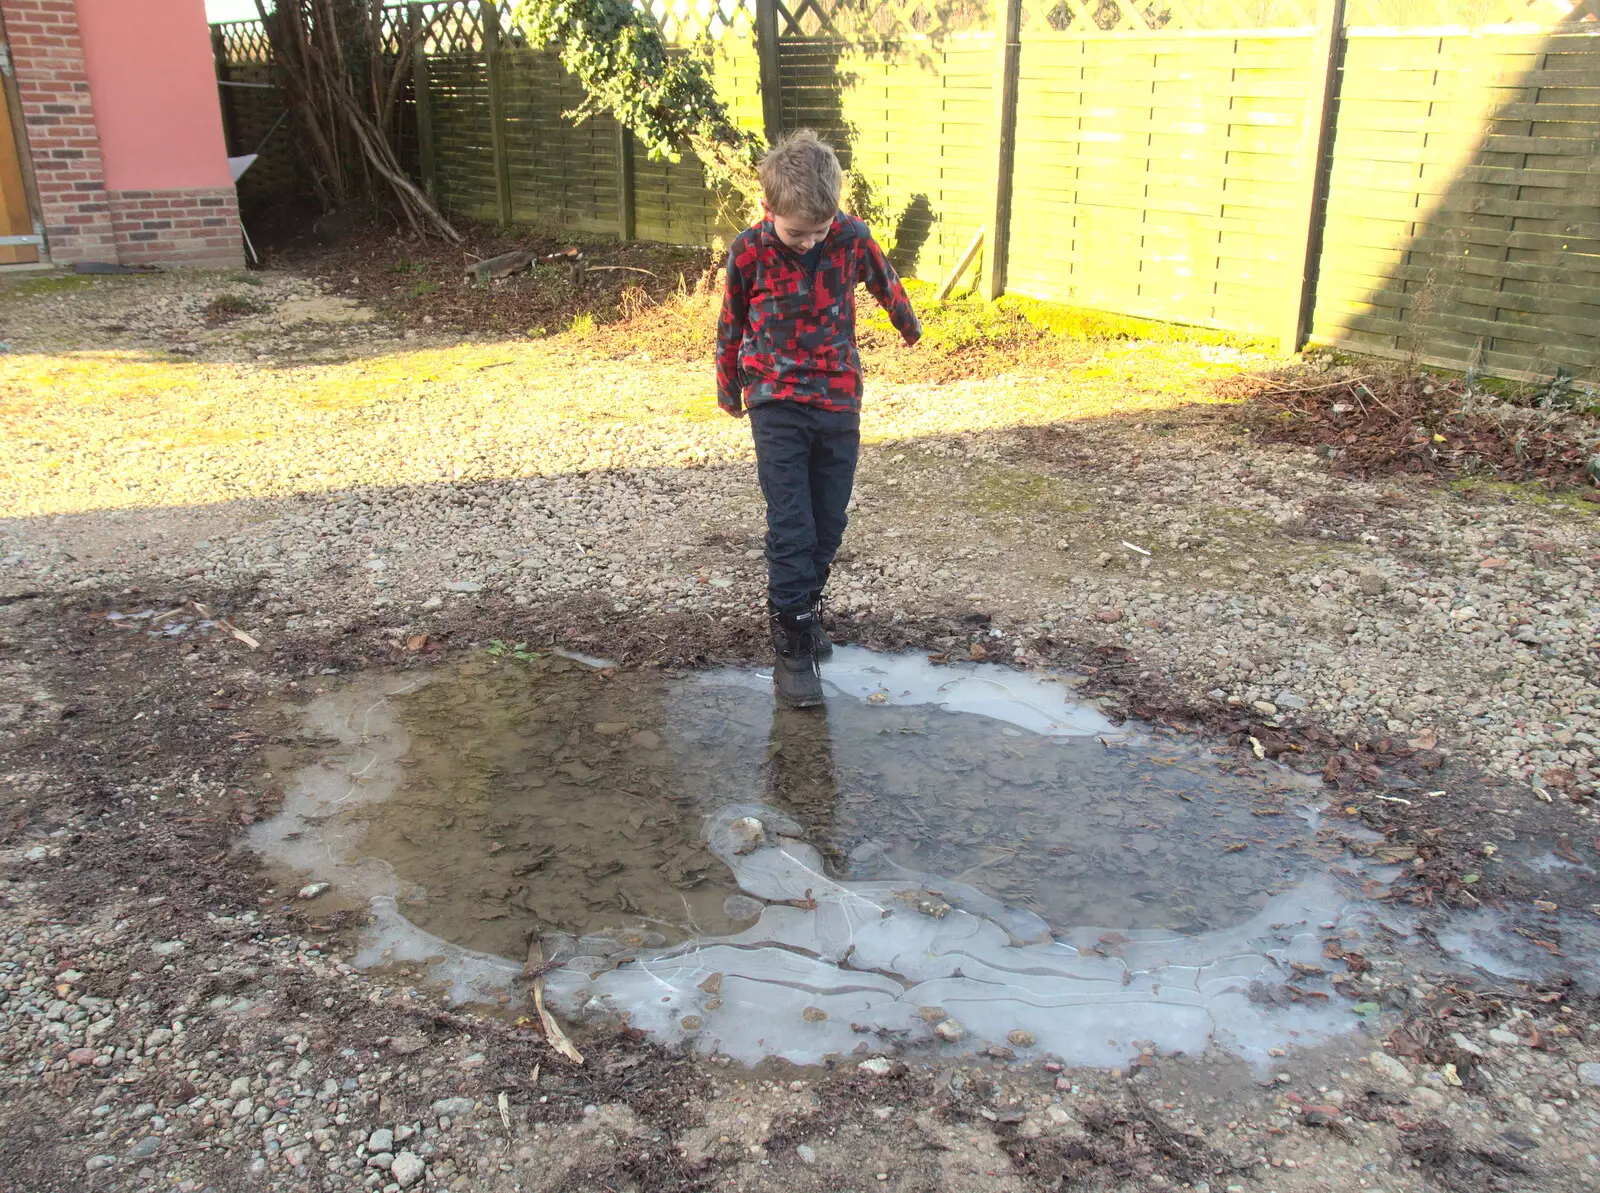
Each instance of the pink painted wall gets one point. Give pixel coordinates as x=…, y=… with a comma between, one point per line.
x=154, y=89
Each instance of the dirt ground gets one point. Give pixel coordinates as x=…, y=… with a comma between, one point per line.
x=350, y=489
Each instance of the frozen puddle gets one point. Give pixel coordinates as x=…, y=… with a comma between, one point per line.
x=956, y=857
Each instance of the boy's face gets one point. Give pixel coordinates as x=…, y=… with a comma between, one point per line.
x=801, y=233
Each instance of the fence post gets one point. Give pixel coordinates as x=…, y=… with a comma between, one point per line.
x=626, y=211
x=771, y=76
x=230, y=115
x=497, y=107
x=426, y=159
x=1007, y=58
x=1312, y=172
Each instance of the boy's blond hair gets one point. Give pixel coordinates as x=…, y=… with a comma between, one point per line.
x=801, y=177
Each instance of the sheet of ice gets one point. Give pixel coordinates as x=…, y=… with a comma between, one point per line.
x=588, y=660
x=1016, y=698
x=313, y=834
x=1484, y=939
x=310, y=832
x=466, y=976
x=832, y=964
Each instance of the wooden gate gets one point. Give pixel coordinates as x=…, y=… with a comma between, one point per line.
x=19, y=238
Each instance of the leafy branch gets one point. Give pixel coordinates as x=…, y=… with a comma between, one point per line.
x=668, y=101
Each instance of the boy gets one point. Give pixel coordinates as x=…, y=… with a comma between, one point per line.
x=786, y=351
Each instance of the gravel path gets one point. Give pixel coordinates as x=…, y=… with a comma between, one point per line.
x=332, y=475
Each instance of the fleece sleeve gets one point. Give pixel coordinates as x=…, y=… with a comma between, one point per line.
x=730, y=337
x=884, y=285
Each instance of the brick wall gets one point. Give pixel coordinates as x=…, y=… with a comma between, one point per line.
x=58, y=118
x=188, y=227
x=83, y=222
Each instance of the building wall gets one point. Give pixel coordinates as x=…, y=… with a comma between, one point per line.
x=155, y=94
x=58, y=121
x=120, y=109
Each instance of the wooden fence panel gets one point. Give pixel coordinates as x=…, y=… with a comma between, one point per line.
x=458, y=88
x=1463, y=213
x=1157, y=176
x=563, y=174
x=914, y=121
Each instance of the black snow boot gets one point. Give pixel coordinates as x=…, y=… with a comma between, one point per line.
x=821, y=644
x=794, y=663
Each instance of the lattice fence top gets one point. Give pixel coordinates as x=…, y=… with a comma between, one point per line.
x=1112, y=18
x=1474, y=14
x=882, y=20
x=244, y=42
x=457, y=26
x=683, y=22
x=453, y=29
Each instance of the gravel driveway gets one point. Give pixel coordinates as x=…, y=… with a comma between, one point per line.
x=326, y=476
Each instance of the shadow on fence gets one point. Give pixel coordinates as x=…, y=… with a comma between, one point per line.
x=1462, y=226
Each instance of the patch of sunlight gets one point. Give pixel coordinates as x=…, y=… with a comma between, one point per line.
x=35, y=286
x=88, y=431
x=1568, y=501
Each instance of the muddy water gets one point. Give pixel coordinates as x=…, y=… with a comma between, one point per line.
x=668, y=836
x=546, y=795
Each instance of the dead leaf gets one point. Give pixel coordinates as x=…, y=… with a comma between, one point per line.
x=977, y=652
x=552, y=1030
x=1564, y=850
x=416, y=642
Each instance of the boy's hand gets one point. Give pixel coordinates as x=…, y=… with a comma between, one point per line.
x=736, y=411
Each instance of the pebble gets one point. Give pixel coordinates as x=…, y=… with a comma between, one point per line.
x=807, y=1153
x=312, y=889
x=748, y=834
x=1506, y=1039
x=381, y=1140
x=452, y=1107
x=877, y=1066
x=1391, y=1068
x=148, y=1146
x=950, y=1031
x=1429, y=1097
x=1589, y=1072
x=407, y=1169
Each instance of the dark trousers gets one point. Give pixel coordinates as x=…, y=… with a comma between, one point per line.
x=806, y=461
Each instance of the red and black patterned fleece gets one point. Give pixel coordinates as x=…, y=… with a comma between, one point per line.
x=788, y=333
